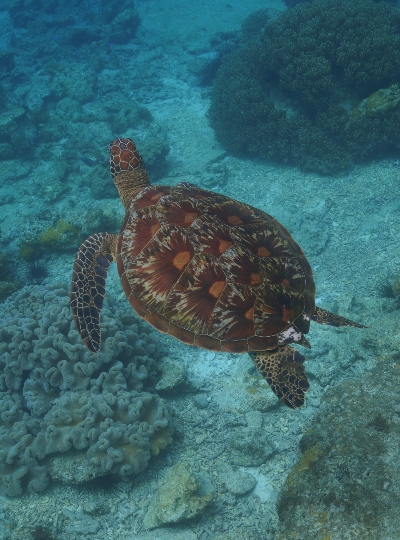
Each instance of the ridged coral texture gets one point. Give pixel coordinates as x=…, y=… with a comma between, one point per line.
x=56, y=396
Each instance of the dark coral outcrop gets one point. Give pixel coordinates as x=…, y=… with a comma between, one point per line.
x=345, y=483
x=292, y=94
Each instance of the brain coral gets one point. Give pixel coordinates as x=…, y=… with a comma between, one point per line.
x=56, y=396
x=292, y=93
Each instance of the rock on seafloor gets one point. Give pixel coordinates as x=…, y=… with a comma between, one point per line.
x=72, y=468
x=346, y=483
x=238, y=534
x=174, y=376
x=176, y=498
x=238, y=482
x=165, y=535
x=249, y=447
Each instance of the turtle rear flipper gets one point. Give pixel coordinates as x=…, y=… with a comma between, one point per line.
x=322, y=316
x=89, y=284
x=284, y=371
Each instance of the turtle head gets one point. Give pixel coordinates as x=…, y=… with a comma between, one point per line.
x=127, y=168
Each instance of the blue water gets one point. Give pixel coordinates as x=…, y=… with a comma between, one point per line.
x=87, y=449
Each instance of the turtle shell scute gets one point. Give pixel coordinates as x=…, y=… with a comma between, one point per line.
x=192, y=299
x=180, y=211
x=231, y=212
x=154, y=271
x=148, y=196
x=212, y=271
x=263, y=239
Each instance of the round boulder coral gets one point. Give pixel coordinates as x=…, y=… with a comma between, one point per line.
x=292, y=93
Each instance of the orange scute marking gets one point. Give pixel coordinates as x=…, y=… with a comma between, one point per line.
x=190, y=217
x=287, y=314
x=235, y=220
x=224, y=245
x=216, y=288
x=181, y=259
x=285, y=282
x=255, y=279
x=126, y=155
x=249, y=314
x=157, y=196
x=263, y=252
x=154, y=228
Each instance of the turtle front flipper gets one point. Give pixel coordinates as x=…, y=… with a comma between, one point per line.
x=322, y=316
x=284, y=371
x=89, y=285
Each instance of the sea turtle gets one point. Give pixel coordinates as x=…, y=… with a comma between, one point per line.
x=207, y=269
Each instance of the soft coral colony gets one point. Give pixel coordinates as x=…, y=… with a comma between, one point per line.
x=59, y=399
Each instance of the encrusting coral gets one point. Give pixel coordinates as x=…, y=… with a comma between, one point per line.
x=289, y=93
x=56, y=396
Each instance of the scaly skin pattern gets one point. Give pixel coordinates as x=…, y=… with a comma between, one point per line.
x=284, y=371
x=124, y=157
x=89, y=285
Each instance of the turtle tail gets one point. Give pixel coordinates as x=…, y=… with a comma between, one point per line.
x=322, y=316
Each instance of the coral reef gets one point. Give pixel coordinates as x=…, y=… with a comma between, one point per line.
x=345, y=483
x=206, y=65
x=380, y=102
x=154, y=148
x=289, y=93
x=56, y=396
x=68, y=90
x=102, y=219
x=396, y=287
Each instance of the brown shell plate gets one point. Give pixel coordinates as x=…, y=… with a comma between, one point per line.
x=211, y=271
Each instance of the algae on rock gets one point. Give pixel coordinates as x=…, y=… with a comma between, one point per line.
x=346, y=482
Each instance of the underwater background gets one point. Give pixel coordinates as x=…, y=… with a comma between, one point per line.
x=292, y=107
